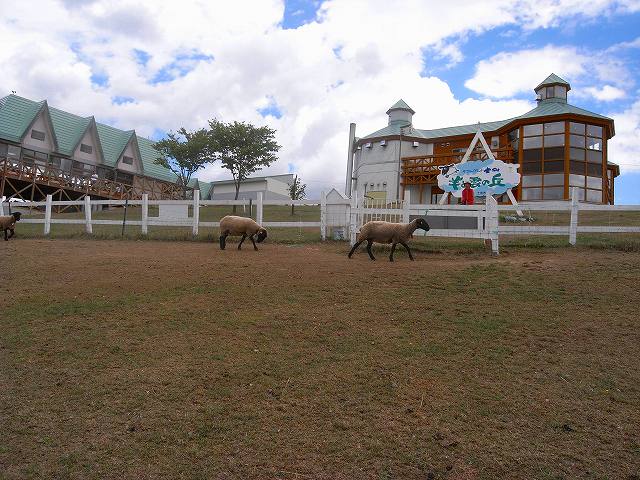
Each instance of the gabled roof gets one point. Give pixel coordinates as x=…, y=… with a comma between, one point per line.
x=553, y=79
x=16, y=114
x=69, y=129
x=113, y=141
x=44, y=110
x=92, y=125
x=400, y=105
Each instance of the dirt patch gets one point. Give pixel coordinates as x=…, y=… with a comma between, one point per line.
x=177, y=360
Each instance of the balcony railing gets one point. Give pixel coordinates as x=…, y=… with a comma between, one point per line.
x=425, y=169
x=31, y=171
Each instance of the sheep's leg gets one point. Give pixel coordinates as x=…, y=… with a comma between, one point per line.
x=244, y=235
x=12, y=232
x=6, y=239
x=408, y=251
x=369, y=243
x=223, y=240
x=393, y=249
x=353, y=249
x=254, y=243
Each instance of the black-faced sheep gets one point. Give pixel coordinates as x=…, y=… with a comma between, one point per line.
x=8, y=224
x=232, y=225
x=385, y=232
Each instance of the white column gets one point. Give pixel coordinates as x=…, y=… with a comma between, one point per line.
x=573, y=223
x=1, y=206
x=145, y=213
x=47, y=215
x=87, y=215
x=196, y=211
x=492, y=223
x=353, y=219
x=259, y=209
x=406, y=206
x=323, y=216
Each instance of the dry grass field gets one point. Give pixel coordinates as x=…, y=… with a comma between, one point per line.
x=146, y=359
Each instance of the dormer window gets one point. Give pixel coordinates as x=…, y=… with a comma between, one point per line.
x=86, y=148
x=127, y=160
x=38, y=135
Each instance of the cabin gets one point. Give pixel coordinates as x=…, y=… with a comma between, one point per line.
x=557, y=145
x=44, y=150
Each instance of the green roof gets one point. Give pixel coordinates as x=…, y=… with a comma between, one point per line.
x=553, y=79
x=68, y=129
x=17, y=113
x=400, y=105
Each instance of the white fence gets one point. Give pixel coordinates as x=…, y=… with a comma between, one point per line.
x=350, y=214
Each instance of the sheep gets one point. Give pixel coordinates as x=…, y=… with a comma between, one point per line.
x=8, y=224
x=385, y=232
x=232, y=225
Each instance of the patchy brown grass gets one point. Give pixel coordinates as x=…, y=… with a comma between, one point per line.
x=151, y=359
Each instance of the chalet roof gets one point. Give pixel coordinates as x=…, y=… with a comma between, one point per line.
x=17, y=113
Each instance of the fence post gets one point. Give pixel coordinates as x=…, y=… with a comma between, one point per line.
x=492, y=223
x=1, y=206
x=323, y=216
x=573, y=223
x=406, y=206
x=87, y=215
x=353, y=219
x=259, y=209
x=196, y=211
x=47, y=215
x=145, y=214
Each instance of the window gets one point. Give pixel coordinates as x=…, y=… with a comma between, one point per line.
x=129, y=160
x=553, y=127
x=594, y=143
x=594, y=196
x=594, y=169
x=555, y=166
x=530, y=130
x=532, y=194
x=532, y=142
x=593, y=182
x=553, y=193
x=86, y=148
x=38, y=135
x=576, y=141
x=594, y=131
x=532, y=181
x=577, y=128
x=554, y=179
x=586, y=161
x=553, y=140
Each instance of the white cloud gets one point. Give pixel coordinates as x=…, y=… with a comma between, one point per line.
x=606, y=93
x=624, y=148
x=256, y=62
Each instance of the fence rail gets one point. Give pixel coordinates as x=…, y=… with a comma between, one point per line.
x=349, y=215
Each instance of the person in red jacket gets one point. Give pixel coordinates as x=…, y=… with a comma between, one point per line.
x=467, y=194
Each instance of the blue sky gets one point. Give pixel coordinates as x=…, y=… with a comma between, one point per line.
x=309, y=68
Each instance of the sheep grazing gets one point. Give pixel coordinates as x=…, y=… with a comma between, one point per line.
x=8, y=224
x=385, y=232
x=232, y=225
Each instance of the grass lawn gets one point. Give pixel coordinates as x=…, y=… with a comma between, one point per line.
x=145, y=359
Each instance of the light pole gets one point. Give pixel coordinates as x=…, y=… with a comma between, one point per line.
x=400, y=159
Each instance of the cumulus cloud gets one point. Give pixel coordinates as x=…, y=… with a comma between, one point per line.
x=232, y=60
x=606, y=93
x=625, y=149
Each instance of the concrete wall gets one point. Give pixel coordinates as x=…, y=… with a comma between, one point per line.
x=379, y=165
x=273, y=190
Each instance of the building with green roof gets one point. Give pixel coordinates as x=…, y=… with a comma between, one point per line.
x=44, y=150
x=557, y=145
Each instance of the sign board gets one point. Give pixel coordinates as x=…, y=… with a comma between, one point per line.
x=493, y=177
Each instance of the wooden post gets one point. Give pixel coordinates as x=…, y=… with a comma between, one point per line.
x=259, y=209
x=124, y=218
x=87, y=215
x=47, y=215
x=145, y=213
x=323, y=216
x=196, y=211
x=573, y=224
x=406, y=206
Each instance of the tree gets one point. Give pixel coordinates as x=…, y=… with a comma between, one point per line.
x=242, y=148
x=184, y=153
x=297, y=191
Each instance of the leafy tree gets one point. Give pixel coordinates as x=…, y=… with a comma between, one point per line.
x=242, y=148
x=184, y=153
x=297, y=190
